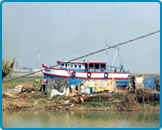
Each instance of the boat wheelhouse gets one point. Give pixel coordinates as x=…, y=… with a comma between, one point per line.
x=77, y=72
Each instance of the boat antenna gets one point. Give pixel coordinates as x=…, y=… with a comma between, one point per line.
x=106, y=52
x=106, y=45
x=117, y=52
x=120, y=59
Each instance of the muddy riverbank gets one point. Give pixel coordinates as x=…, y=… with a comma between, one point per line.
x=35, y=101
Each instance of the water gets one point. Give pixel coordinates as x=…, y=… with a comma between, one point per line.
x=84, y=119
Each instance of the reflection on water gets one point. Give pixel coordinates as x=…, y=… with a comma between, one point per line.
x=88, y=119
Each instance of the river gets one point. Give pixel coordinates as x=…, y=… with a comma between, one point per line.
x=83, y=119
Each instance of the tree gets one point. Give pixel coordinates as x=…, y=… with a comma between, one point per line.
x=7, y=67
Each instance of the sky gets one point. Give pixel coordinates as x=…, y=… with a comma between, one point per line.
x=69, y=30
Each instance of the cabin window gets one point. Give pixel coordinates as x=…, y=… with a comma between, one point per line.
x=75, y=66
x=103, y=66
x=65, y=65
x=86, y=66
x=62, y=65
x=47, y=70
x=96, y=66
x=71, y=65
x=90, y=66
x=79, y=66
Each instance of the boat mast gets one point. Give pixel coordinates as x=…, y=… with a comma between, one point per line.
x=106, y=46
x=116, y=53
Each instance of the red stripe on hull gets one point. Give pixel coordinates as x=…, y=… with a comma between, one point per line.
x=80, y=77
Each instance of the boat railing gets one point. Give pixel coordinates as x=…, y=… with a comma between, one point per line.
x=115, y=69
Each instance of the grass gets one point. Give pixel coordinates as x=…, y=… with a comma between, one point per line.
x=40, y=96
x=54, y=98
x=22, y=81
x=43, y=102
x=30, y=100
x=117, y=95
x=149, y=104
x=98, y=104
x=108, y=104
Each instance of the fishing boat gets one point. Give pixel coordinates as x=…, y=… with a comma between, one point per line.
x=79, y=71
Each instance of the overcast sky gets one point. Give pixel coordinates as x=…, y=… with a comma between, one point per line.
x=68, y=30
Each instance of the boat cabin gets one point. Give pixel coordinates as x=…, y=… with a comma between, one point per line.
x=83, y=66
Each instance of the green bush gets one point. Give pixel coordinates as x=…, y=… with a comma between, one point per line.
x=117, y=95
x=7, y=67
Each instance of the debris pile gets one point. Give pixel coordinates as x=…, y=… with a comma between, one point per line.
x=158, y=82
x=144, y=95
x=99, y=97
x=128, y=102
x=55, y=86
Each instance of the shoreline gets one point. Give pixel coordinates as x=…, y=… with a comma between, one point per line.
x=75, y=107
x=155, y=109
x=35, y=101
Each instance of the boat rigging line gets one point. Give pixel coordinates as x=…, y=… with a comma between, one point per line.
x=92, y=53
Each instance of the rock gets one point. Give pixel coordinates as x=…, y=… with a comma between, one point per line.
x=37, y=80
x=35, y=103
x=28, y=88
x=55, y=92
x=19, y=88
x=67, y=101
